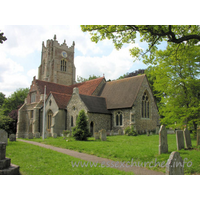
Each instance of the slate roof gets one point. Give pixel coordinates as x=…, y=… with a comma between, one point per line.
x=95, y=104
x=86, y=88
x=61, y=99
x=122, y=93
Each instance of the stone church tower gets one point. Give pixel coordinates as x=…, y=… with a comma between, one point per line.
x=57, y=63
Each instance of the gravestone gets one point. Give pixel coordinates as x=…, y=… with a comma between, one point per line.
x=20, y=135
x=96, y=135
x=163, y=146
x=187, y=138
x=30, y=135
x=103, y=135
x=174, y=164
x=5, y=167
x=25, y=136
x=3, y=136
x=12, y=137
x=111, y=132
x=37, y=135
x=198, y=136
x=55, y=135
x=179, y=140
x=120, y=132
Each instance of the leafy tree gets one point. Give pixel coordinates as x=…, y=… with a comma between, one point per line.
x=2, y=98
x=2, y=38
x=175, y=75
x=81, y=79
x=153, y=35
x=81, y=131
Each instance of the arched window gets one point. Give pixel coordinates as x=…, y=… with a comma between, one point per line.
x=119, y=118
x=63, y=65
x=72, y=121
x=145, y=105
x=49, y=120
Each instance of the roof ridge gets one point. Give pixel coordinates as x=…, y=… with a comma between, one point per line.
x=91, y=96
x=60, y=93
x=52, y=83
x=126, y=78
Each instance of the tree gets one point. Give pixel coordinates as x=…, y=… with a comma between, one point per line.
x=81, y=131
x=81, y=79
x=175, y=78
x=2, y=38
x=153, y=35
x=2, y=98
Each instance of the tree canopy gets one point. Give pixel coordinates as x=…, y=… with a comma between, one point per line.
x=81, y=79
x=2, y=37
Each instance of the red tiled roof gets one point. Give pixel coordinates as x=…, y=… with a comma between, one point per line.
x=61, y=99
x=122, y=93
x=86, y=88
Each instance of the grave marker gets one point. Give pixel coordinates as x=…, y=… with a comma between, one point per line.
x=187, y=138
x=163, y=146
x=179, y=140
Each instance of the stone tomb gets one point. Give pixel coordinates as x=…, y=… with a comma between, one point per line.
x=12, y=137
x=179, y=140
x=5, y=167
x=96, y=135
x=174, y=164
x=198, y=136
x=3, y=136
x=187, y=138
x=103, y=135
x=163, y=145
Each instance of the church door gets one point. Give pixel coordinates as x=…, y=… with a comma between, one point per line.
x=91, y=128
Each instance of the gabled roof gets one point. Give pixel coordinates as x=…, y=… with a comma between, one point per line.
x=95, y=104
x=122, y=93
x=86, y=88
x=61, y=99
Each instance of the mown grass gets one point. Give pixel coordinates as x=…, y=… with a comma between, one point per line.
x=125, y=148
x=34, y=160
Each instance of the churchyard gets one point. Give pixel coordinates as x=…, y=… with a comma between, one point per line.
x=139, y=149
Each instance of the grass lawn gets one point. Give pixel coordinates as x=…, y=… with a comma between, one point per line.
x=34, y=160
x=125, y=148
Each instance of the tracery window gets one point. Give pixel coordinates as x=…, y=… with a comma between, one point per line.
x=63, y=65
x=119, y=118
x=145, y=105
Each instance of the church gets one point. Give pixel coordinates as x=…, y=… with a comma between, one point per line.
x=109, y=105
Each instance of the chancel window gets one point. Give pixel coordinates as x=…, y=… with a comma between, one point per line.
x=119, y=118
x=63, y=65
x=145, y=105
x=33, y=97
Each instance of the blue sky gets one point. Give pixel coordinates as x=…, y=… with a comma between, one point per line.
x=21, y=54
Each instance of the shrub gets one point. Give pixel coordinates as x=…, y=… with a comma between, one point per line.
x=81, y=131
x=65, y=133
x=130, y=131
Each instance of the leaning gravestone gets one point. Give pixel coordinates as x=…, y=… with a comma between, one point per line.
x=103, y=135
x=187, y=138
x=5, y=167
x=3, y=136
x=120, y=132
x=163, y=146
x=12, y=137
x=96, y=135
x=174, y=164
x=198, y=136
x=179, y=140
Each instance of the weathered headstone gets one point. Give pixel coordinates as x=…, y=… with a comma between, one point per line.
x=174, y=164
x=55, y=135
x=103, y=135
x=96, y=135
x=3, y=136
x=163, y=146
x=30, y=135
x=179, y=140
x=187, y=138
x=111, y=132
x=5, y=167
x=198, y=136
x=37, y=135
x=120, y=132
x=12, y=137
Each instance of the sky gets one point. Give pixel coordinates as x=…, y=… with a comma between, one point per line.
x=20, y=54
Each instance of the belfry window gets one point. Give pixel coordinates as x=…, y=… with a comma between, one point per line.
x=119, y=119
x=63, y=65
x=145, y=105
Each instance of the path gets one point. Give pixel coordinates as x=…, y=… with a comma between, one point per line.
x=92, y=158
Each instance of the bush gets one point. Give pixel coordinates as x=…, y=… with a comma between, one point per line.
x=130, y=131
x=65, y=133
x=81, y=131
